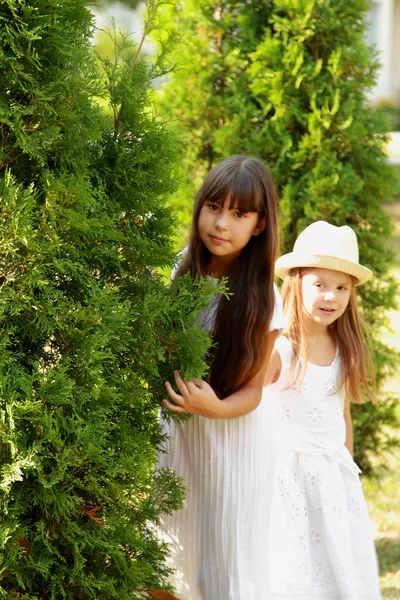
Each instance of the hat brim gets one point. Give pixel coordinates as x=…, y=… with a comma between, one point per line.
x=290, y=261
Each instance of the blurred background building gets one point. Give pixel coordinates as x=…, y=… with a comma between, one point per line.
x=384, y=34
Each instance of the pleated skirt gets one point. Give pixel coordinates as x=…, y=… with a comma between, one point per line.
x=219, y=539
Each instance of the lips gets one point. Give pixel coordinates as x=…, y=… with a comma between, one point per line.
x=217, y=239
x=327, y=311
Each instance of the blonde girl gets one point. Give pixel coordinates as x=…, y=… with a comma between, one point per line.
x=217, y=541
x=320, y=542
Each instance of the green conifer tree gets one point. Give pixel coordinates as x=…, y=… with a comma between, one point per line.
x=88, y=329
x=287, y=81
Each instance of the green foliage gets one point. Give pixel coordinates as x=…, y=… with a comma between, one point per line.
x=390, y=111
x=286, y=80
x=88, y=329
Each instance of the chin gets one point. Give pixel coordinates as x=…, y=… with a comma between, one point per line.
x=218, y=251
x=323, y=321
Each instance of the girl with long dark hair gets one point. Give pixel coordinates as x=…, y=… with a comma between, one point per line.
x=217, y=540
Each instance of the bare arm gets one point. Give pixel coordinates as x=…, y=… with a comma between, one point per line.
x=349, y=426
x=197, y=397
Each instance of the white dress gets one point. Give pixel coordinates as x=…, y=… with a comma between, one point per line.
x=321, y=544
x=218, y=540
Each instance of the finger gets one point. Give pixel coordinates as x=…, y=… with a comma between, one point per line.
x=173, y=407
x=180, y=384
x=198, y=382
x=172, y=394
x=192, y=387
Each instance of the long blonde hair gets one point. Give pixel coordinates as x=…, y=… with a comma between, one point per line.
x=349, y=333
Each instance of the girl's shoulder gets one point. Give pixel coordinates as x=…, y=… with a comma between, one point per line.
x=284, y=348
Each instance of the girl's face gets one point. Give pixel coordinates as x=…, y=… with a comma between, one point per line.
x=225, y=231
x=326, y=295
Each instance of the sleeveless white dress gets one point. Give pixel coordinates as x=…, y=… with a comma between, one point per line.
x=218, y=540
x=321, y=545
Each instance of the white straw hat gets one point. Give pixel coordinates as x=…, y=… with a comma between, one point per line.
x=325, y=246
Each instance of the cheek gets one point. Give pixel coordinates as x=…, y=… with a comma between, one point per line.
x=202, y=222
x=249, y=228
x=345, y=302
x=311, y=299
x=308, y=303
x=308, y=296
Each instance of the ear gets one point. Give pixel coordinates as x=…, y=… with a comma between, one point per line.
x=261, y=225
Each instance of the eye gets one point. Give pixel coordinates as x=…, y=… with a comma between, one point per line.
x=212, y=206
x=318, y=285
x=239, y=214
x=343, y=288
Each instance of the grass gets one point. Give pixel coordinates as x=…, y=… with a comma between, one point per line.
x=383, y=496
x=384, y=507
x=389, y=558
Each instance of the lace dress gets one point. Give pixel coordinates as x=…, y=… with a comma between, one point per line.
x=321, y=544
x=218, y=539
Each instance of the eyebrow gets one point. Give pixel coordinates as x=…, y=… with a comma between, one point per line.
x=341, y=283
x=219, y=203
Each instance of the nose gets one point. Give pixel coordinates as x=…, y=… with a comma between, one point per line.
x=221, y=220
x=329, y=296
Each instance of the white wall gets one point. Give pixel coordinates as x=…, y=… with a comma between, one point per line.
x=396, y=51
x=125, y=18
x=381, y=33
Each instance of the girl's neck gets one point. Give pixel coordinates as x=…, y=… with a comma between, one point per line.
x=321, y=347
x=219, y=266
x=314, y=336
x=314, y=330
x=317, y=335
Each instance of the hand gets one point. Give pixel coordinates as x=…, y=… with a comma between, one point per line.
x=196, y=397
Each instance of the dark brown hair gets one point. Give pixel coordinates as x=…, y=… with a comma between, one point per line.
x=357, y=368
x=241, y=324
